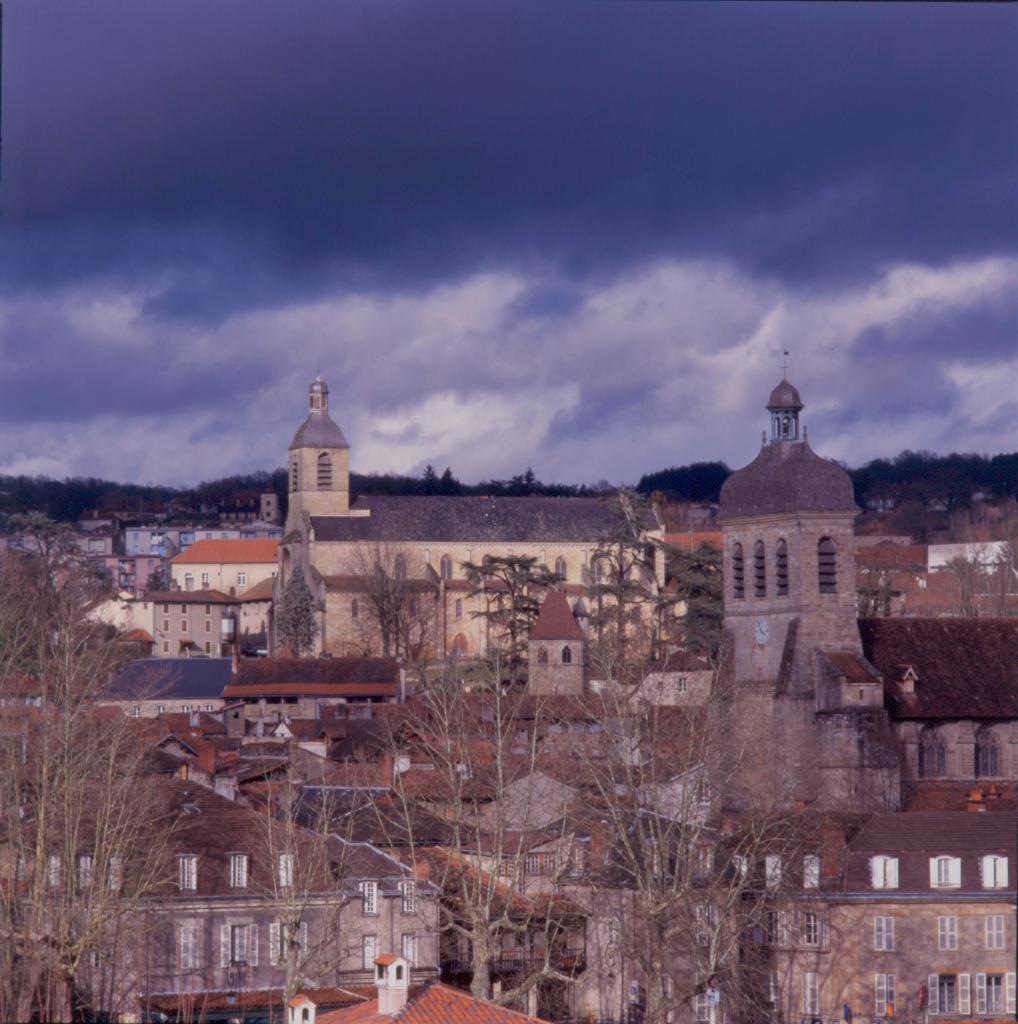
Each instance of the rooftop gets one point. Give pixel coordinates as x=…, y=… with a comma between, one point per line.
x=229, y=551
x=172, y=678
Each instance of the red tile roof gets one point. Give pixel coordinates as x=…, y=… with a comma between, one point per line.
x=431, y=1004
x=556, y=620
x=217, y=551
x=690, y=540
x=310, y=689
x=912, y=557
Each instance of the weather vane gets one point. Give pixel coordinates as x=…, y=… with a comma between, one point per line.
x=784, y=363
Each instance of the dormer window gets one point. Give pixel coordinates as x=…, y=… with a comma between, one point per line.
x=945, y=872
x=908, y=680
x=238, y=870
x=884, y=872
x=993, y=869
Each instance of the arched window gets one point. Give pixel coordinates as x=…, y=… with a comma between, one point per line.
x=445, y=567
x=399, y=567
x=542, y=656
x=355, y=609
x=932, y=756
x=781, y=569
x=324, y=471
x=759, y=570
x=293, y=475
x=827, y=566
x=987, y=761
x=567, y=656
x=459, y=645
x=738, y=572
x=561, y=569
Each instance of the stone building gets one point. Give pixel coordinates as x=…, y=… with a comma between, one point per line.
x=808, y=708
x=556, y=649
x=420, y=541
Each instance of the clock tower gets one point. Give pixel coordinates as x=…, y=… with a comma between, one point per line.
x=792, y=638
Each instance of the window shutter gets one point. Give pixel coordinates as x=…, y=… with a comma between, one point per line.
x=274, y=950
x=181, y=962
x=955, y=871
x=980, y=993
x=986, y=871
x=933, y=992
x=1009, y=992
x=891, y=873
x=224, y=945
x=933, y=873
x=878, y=933
x=252, y=944
x=1000, y=878
x=964, y=995
x=302, y=937
x=889, y=933
x=875, y=880
x=825, y=933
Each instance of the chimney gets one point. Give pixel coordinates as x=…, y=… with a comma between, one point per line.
x=392, y=979
x=976, y=801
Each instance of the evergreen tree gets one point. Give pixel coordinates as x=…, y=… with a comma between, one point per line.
x=512, y=586
x=296, y=625
x=430, y=479
x=697, y=575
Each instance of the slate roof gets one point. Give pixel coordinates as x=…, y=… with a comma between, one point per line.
x=315, y=677
x=173, y=678
x=965, y=668
x=256, y=549
x=461, y=519
x=787, y=476
x=319, y=430
x=850, y=665
x=556, y=621
x=939, y=832
x=784, y=396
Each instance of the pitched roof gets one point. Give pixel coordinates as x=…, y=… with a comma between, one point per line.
x=965, y=668
x=316, y=670
x=227, y=551
x=188, y=597
x=261, y=591
x=887, y=555
x=851, y=666
x=556, y=620
x=173, y=678
x=480, y=519
x=434, y=1003
x=939, y=832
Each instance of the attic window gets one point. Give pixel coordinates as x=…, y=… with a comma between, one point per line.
x=908, y=680
x=827, y=566
x=738, y=572
x=190, y=808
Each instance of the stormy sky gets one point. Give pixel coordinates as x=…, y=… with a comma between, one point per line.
x=575, y=235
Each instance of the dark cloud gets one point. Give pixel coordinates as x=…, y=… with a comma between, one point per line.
x=411, y=141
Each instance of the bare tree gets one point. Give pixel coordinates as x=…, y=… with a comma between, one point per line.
x=475, y=758
x=76, y=800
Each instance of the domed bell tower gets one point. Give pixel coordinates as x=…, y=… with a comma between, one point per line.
x=319, y=463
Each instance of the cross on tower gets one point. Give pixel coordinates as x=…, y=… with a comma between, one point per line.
x=784, y=364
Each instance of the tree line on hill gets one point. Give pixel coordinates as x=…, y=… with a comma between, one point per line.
x=909, y=476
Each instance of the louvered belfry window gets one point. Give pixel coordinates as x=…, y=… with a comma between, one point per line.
x=759, y=570
x=324, y=472
x=827, y=566
x=781, y=569
x=738, y=572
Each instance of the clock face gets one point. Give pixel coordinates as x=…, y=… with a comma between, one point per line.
x=762, y=631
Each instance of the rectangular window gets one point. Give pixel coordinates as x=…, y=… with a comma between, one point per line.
x=205, y=583
x=943, y=993
x=772, y=870
x=188, y=947
x=208, y=647
x=883, y=934
x=208, y=626
x=286, y=870
x=408, y=896
x=183, y=625
x=166, y=625
x=369, y=950
x=166, y=647
x=947, y=933
x=810, y=993
x=116, y=875
x=408, y=947
x=84, y=871
x=811, y=872
x=990, y=993
x=883, y=995
x=810, y=928
x=533, y=864
x=54, y=870
x=188, y=872
x=238, y=943
x=994, y=931
x=241, y=579
x=369, y=897
x=238, y=870
x=166, y=611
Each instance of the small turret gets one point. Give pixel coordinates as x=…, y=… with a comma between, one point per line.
x=784, y=405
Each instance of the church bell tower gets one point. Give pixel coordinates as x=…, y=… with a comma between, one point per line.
x=319, y=463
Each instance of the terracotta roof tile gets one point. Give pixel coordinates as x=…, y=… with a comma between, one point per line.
x=556, y=620
x=228, y=551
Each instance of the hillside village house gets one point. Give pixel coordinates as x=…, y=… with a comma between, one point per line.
x=229, y=566
x=422, y=540
x=210, y=623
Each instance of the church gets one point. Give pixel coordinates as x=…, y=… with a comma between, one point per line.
x=423, y=542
